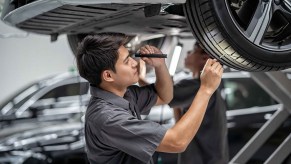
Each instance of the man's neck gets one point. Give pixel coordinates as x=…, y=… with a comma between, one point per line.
x=117, y=91
x=195, y=74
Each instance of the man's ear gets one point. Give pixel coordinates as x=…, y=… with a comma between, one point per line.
x=107, y=76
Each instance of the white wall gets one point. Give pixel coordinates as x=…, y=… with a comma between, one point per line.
x=24, y=60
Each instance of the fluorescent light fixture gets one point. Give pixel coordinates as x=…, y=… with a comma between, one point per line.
x=175, y=59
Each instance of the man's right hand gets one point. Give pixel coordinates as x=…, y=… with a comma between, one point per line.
x=155, y=62
x=211, y=76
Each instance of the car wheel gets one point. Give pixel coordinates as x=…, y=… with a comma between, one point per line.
x=250, y=35
x=75, y=39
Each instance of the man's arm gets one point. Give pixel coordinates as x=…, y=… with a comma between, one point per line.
x=163, y=84
x=177, y=114
x=179, y=136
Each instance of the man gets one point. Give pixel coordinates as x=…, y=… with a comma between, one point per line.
x=209, y=145
x=114, y=132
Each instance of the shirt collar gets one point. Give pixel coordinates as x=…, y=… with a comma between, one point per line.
x=109, y=97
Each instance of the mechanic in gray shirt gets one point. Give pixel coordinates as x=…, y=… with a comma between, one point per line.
x=114, y=131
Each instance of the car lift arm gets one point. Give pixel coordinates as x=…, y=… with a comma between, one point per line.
x=279, y=87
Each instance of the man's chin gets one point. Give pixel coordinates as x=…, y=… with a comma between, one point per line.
x=135, y=80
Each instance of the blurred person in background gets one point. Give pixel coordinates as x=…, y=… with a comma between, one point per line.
x=209, y=145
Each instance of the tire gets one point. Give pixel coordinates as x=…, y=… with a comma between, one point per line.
x=74, y=40
x=221, y=33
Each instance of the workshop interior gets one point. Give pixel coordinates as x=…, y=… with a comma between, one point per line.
x=43, y=98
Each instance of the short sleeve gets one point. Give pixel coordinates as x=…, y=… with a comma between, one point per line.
x=145, y=97
x=138, y=138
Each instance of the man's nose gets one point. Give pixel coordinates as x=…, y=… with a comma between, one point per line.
x=134, y=63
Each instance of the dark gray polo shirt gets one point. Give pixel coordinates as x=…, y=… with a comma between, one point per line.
x=115, y=133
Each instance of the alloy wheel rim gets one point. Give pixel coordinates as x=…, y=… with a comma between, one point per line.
x=265, y=23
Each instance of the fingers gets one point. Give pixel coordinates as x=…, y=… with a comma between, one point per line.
x=147, y=60
x=144, y=50
x=210, y=62
x=217, y=68
x=156, y=50
x=221, y=71
x=214, y=65
x=147, y=49
x=206, y=65
x=151, y=50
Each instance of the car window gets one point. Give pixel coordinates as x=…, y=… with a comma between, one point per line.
x=67, y=90
x=62, y=97
x=245, y=93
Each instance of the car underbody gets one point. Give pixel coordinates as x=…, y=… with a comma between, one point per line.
x=139, y=18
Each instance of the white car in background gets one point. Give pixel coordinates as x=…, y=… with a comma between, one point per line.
x=50, y=101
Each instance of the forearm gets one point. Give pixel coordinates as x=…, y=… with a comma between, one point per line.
x=164, y=83
x=177, y=114
x=186, y=128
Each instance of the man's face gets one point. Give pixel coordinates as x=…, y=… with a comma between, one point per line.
x=126, y=69
x=196, y=59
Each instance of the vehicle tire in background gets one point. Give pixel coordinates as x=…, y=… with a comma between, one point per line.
x=250, y=35
x=74, y=40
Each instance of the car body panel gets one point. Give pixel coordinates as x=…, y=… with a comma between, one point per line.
x=53, y=143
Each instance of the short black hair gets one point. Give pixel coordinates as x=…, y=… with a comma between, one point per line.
x=97, y=53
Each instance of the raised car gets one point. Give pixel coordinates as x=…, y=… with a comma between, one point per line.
x=250, y=35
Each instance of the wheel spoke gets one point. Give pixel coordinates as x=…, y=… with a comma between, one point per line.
x=288, y=4
x=260, y=22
